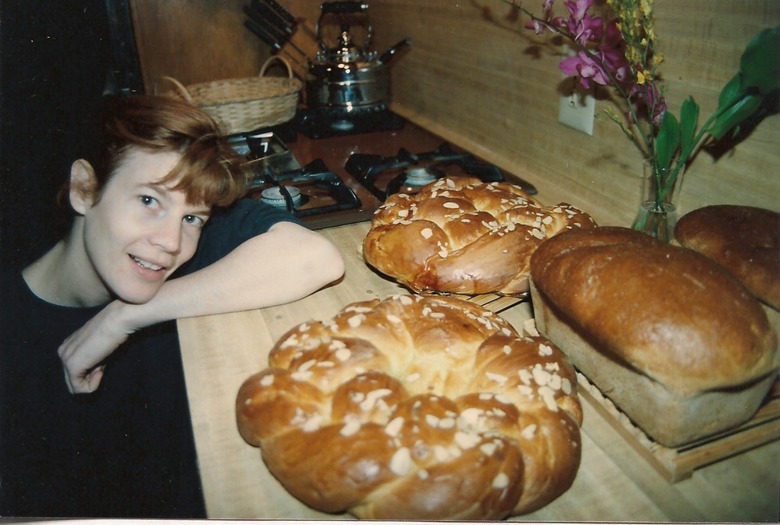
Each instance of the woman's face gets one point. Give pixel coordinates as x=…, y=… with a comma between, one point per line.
x=139, y=232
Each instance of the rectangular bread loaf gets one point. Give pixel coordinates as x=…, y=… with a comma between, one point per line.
x=669, y=418
x=669, y=336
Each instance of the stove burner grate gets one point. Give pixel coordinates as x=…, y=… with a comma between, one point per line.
x=282, y=196
x=308, y=191
x=418, y=177
x=384, y=176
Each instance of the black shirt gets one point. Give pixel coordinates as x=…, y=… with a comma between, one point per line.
x=126, y=450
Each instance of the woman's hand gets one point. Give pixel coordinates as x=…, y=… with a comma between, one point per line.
x=83, y=352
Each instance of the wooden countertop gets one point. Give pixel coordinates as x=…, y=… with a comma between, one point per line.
x=614, y=482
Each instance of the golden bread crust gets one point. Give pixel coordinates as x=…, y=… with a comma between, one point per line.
x=667, y=311
x=461, y=235
x=743, y=239
x=415, y=408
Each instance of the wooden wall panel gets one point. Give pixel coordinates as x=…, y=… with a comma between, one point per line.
x=474, y=75
x=194, y=41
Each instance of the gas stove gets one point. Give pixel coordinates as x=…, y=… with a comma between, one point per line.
x=407, y=172
x=320, y=123
x=344, y=178
x=278, y=178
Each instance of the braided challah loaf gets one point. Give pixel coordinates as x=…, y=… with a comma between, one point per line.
x=415, y=408
x=461, y=235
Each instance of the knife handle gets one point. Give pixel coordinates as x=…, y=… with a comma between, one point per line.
x=344, y=7
x=281, y=11
x=257, y=30
x=266, y=12
x=272, y=31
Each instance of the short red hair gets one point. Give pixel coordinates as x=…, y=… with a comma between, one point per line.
x=209, y=171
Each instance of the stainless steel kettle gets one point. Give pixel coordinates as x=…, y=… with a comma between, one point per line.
x=348, y=77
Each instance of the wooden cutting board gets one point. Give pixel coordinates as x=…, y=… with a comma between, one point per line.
x=680, y=463
x=219, y=352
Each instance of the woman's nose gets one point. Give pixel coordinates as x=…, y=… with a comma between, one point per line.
x=167, y=235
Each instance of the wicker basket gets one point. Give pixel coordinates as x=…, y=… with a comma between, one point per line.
x=246, y=104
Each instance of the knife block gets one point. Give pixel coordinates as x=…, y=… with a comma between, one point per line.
x=301, y=48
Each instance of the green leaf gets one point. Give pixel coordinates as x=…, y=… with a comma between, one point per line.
x=667, y=141
x=689, y=119
x=735, y=115
x=731, y=92
x=760, y=62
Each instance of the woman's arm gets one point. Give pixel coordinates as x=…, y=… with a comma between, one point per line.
x=284, y=264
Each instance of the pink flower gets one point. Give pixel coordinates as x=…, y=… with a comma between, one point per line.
x=648, y=99
x=586, y=68
x=561, y=23
x=590, y=66
x=612, y=35
x=580, y=24
x=613, y=52
x=616, y=63
x=547, y=8
x=537, y=26
x=589, y=29
x=586, y=30
x=657, y=103
x=578, y=8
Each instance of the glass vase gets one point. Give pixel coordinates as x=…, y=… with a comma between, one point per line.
x=657, y=213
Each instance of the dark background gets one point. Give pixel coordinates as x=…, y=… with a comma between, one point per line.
x=57, y=60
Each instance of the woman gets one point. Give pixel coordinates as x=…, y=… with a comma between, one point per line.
x=159, y=233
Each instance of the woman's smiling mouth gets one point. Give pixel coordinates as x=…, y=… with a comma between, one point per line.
x=146, y=264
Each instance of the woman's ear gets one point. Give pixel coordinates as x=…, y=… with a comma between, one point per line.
x=82, y=186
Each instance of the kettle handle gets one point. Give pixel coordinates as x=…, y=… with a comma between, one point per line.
x=341, y=7
x=387, y=55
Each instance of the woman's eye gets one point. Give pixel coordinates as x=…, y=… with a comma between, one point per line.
x=147, y=200
x=194, y=220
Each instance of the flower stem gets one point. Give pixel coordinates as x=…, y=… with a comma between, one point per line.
x=646, y=146
x=684, y=156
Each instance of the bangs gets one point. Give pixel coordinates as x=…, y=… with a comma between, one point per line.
x=209, y=172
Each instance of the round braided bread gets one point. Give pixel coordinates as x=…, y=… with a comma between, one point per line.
x=415, y=407
x=461, y=235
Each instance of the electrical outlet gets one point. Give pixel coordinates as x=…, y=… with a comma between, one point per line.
x=577, y=111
